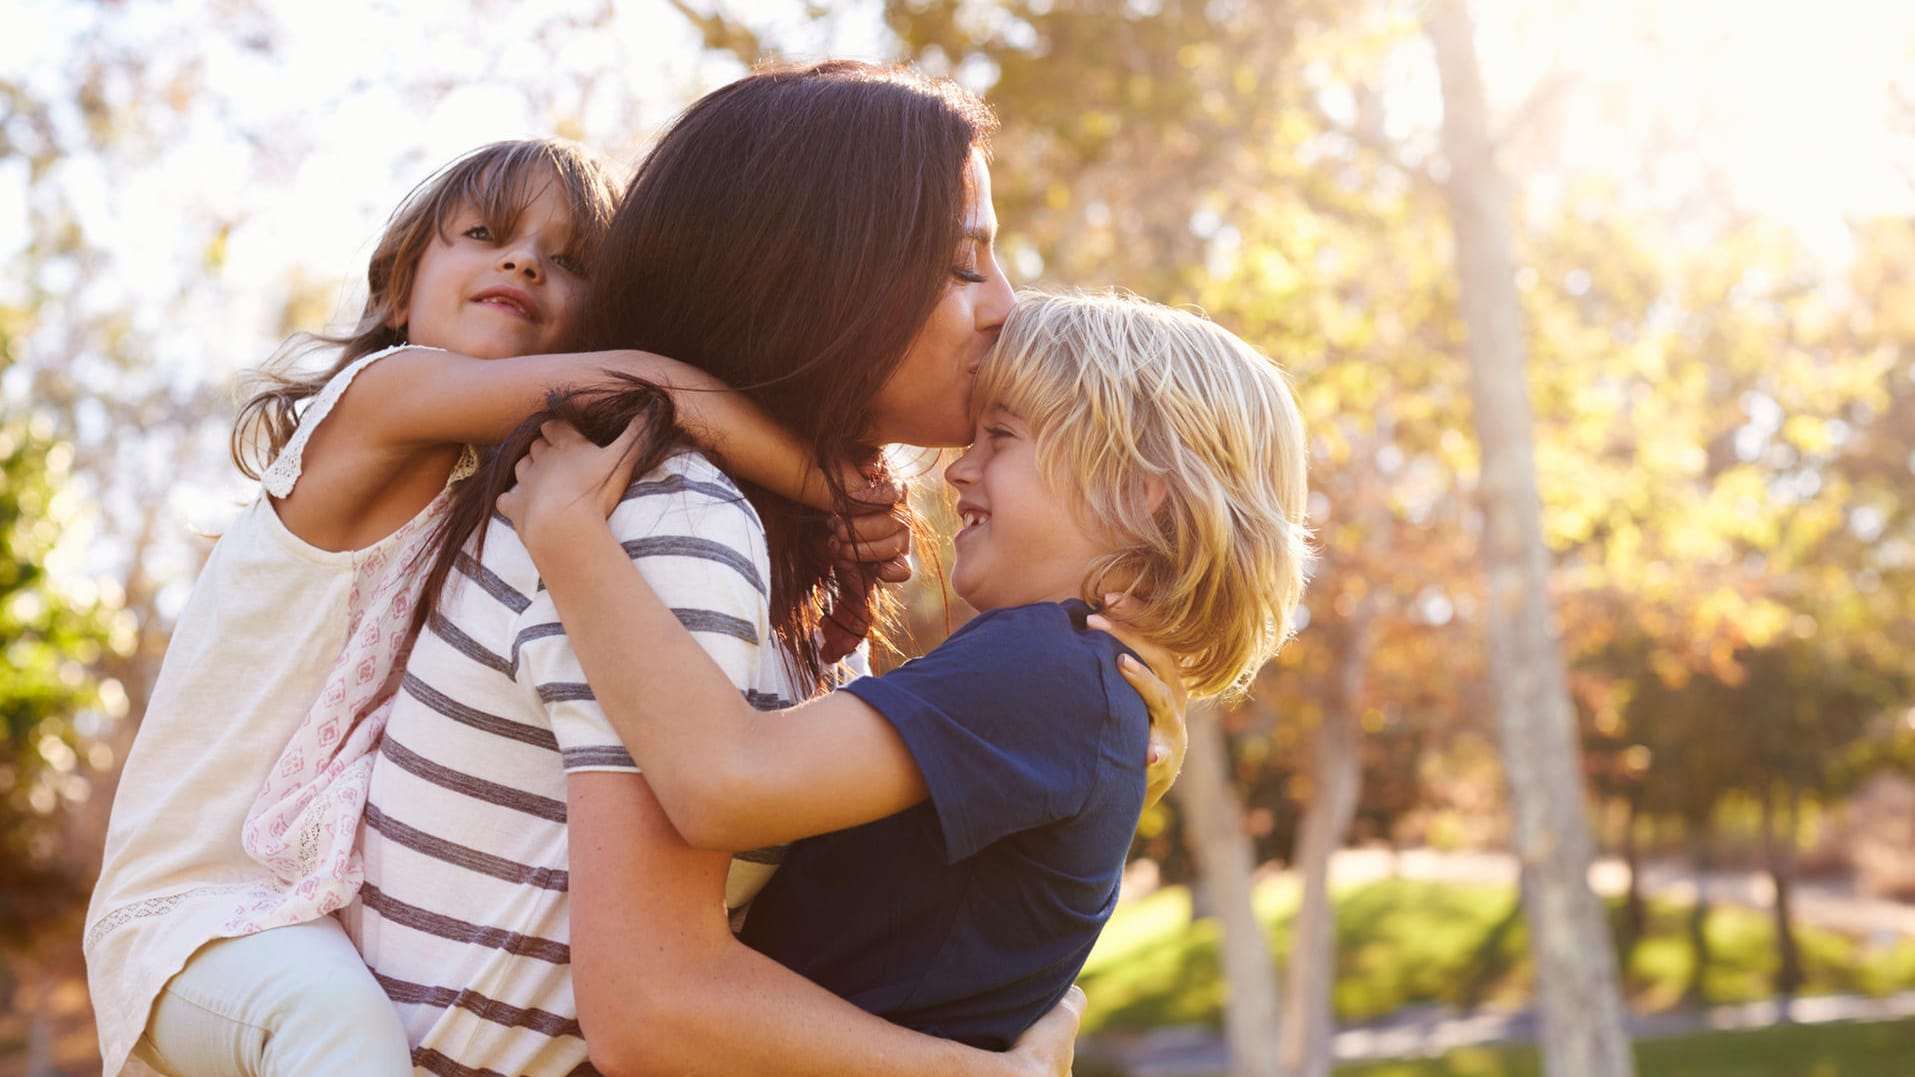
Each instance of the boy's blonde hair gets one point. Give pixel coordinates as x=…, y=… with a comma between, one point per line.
x=1182, y=447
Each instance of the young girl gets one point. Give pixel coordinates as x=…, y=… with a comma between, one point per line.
x=301, y=610
x=992, y=786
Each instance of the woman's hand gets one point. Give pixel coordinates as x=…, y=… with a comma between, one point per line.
x=868, y=548
x=1047, y=1047
x=565, y=481
x=1166, y=697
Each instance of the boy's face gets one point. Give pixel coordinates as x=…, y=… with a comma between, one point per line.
x=492, y=296
x=1020, y=542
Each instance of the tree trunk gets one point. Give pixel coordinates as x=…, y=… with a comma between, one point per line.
x=1222, y=847
x=1309, y=1028
x=1581, y=1004
x=1702, y=858
x=1779, y=850
x=1635, y=916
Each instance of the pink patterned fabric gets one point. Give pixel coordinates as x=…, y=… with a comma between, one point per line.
x=304, y=825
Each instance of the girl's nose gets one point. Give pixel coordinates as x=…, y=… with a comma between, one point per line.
x=520, y=259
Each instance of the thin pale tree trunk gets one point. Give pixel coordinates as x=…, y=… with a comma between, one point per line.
x=1702, y=860
x=1222, y=847
x=1778, y=844
x=1309, y=1028
x=1583, y=1034
x=1635, y=915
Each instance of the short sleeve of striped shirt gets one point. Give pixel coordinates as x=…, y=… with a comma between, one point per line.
x=701, y=547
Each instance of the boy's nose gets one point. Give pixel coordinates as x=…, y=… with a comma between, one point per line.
x=962, y=471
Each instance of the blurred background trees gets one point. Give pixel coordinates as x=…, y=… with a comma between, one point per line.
x=1721, y=369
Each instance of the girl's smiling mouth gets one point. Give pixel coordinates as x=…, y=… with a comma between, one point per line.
x=508, y=299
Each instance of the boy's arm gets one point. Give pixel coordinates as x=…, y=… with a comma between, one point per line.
x=728, y=775
x=663, y=986
x=424, y=397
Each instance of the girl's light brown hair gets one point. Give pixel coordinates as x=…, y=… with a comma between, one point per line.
x=1182, y=448
x=498, y=180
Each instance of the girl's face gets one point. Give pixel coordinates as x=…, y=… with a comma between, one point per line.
x=926, y=401
x=1020, y=544
x=492, y=296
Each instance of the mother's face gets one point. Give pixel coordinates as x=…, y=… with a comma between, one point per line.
x=927, y=399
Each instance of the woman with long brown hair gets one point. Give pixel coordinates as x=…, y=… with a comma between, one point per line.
x=821, y=239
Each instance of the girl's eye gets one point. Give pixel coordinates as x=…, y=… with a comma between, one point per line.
x=967, y=275
x=996, y=432
x=570, y=264
x=479, y=232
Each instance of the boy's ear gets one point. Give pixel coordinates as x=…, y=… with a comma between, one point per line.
x=1155, y=491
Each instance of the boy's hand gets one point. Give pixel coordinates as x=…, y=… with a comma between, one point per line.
x=564, y=481
x=1047, y=1047
x=1166, y=697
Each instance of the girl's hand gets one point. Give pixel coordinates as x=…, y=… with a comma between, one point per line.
x=1047, y=1047
x=1167, y=698
x=565, y=481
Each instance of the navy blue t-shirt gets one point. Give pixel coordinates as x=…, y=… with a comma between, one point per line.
x=969, y=915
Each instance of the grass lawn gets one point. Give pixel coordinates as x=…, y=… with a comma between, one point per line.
x=1402, y=942
x=1880, y=1049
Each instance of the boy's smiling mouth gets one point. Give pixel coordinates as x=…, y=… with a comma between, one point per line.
x=972, y=517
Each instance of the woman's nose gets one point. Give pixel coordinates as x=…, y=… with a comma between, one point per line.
x=996, y=304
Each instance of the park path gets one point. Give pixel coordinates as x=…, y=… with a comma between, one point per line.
x=1830, y=903
x=1423, y=1031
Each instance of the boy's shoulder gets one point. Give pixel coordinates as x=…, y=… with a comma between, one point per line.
x=1055, y=623
x=1049, y=640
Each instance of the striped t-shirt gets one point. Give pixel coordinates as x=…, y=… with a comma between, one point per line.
x=464, y=916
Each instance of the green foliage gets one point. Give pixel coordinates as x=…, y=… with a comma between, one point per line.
x=49, y=640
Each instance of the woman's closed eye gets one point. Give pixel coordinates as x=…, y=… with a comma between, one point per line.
x=967, y=274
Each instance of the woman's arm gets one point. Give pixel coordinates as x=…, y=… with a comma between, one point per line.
x=663, y=986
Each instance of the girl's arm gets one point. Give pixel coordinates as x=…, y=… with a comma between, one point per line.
x=424, y=397
x=727, y=775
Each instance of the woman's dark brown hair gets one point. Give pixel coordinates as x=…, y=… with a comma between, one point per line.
x=791, y=233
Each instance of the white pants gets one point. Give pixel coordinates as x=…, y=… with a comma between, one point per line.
x=293, y=1000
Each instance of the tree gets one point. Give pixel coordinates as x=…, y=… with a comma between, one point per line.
x=1583, y=1031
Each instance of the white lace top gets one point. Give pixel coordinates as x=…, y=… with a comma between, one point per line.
x=268, y=619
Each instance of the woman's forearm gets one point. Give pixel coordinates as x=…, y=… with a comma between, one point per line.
x=663, y=986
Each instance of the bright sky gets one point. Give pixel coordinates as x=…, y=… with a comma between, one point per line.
x=299, y=150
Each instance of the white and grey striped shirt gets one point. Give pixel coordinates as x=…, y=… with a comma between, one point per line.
x=464, y=916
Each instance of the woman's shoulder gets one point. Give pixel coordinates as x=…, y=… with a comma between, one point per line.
x=687, y=490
